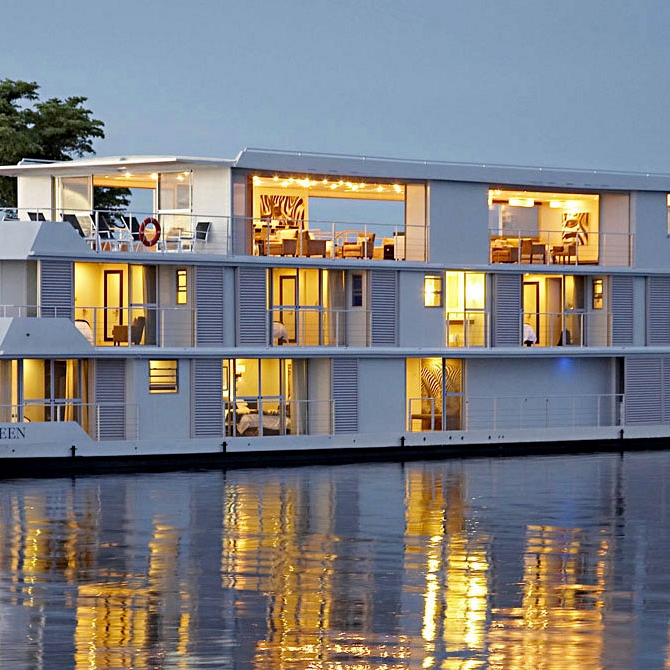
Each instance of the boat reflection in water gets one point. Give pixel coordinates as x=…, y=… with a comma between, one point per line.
x=521, y=563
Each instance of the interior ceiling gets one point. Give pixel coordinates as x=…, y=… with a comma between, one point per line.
x=503, y=196
x=126, y=179
x=329, y=187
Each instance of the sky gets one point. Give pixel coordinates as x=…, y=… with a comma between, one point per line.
x=555, y=83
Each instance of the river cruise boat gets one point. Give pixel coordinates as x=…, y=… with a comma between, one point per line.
x=295, y=304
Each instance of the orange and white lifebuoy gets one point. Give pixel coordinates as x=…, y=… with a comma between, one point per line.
x=149, y=224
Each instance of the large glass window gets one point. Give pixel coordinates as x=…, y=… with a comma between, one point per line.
x=544, y=227
x=434, y=394
x=554, y=309
x=466, y=315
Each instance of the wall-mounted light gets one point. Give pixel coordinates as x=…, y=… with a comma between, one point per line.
x=522, y=202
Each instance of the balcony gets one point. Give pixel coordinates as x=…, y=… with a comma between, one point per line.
x=468, y=329
x=275, y=415
x=137, y=326
x=102, y=421
x=551, y=247
x=315, y=326
x=518, y=412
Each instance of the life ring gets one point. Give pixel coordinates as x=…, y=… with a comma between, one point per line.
x=150, y=223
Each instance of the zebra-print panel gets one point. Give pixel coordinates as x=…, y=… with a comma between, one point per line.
x=287, y=208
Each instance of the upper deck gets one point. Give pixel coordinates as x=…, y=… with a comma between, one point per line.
x=279, y=204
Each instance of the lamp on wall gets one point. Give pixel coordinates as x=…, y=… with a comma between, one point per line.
x=240, y=369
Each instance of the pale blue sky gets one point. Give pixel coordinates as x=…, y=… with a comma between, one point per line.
x=574, y=83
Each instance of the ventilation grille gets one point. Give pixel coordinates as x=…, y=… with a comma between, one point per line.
x=384, y=307
x=110, y=397
x=56, y=289
x=507, y=311
x=345, y=394
x=658, y=310
x=207, y=403
x=209, y=301
x=252, y=302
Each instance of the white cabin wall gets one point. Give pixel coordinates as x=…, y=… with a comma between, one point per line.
x=381, y=395
x=18, y=283
x=35, y=193
x=459, y=219
x=177, y=320
x=649, y=222
x=212, y=202
x=538, y=377
x=161, y=415
x=418, y=326
x=615, y=225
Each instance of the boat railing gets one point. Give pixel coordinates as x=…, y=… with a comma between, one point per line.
x=327, y=238
x=276, y=415
x=556, y=247
x=558, y=411
x=167, y=231
x=105, y=230
x=137, y=326
x=556, y=329
x=100, y=420
x=305, y=326
x=468, y=328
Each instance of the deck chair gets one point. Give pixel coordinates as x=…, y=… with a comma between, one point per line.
x=187, y=239
x=74, y=222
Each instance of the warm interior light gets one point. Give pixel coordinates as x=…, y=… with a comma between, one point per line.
x=522, y=202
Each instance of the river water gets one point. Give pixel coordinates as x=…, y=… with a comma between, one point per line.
x=516, y=563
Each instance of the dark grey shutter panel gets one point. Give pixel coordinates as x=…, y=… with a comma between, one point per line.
x=252, y=313
x=507, y=310
x=658, y=310
x=384, y=308
x=344, y=382
x=56, y=289
x=209, y=305
x=643, y=389
x=622, y=310
x=207, y=397
x=110, y=397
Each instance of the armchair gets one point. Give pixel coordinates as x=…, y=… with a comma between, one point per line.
x=363, y=247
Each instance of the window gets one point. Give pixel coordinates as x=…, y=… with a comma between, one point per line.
x=182, y=286
x=466, y=315
x=163, y=376
x=357, y=290
x=432, y=291
x=597, y=294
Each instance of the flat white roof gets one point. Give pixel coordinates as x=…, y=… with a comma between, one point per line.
x=267, y=160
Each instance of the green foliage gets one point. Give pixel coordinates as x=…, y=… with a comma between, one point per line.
x=52, y=129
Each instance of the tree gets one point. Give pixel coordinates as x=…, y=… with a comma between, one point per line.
x=52, y=129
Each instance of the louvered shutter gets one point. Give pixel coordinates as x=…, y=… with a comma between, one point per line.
x=507, y=310
x=207, y=402
x=209, y=303
x=344, y=392
x=56, y=289
x=643, y=389
x=252, y=315
x=622, y=297
x=110, y=398
x=384, y=308
x=658, y=310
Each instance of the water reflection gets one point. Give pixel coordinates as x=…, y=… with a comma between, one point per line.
x=528, y=563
